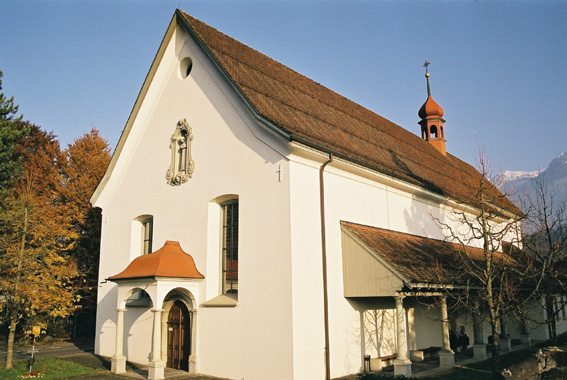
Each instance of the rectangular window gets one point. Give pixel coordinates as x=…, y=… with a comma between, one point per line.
x=230, y=247
x=563, y=307
x=147, y=235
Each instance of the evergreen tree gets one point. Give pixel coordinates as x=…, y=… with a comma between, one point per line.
x=10, y=134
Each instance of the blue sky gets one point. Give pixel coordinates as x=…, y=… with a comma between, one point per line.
x=499, y=69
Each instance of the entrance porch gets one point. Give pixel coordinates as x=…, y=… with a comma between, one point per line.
x=162, y=286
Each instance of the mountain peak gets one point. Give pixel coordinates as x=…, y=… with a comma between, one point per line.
x=557, y=169
x=510, y=176
x=520, y=183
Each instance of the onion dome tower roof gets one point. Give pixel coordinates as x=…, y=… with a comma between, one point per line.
x=430, y=108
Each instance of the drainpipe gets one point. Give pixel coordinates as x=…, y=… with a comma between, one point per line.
x=324, y=253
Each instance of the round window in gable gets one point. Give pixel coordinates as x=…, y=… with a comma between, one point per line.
x=185, y=67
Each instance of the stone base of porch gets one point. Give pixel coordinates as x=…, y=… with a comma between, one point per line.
x=156, y=370
x=446, y=359
x=505, y=344
x=402, y=367
x=479, y=351
x=193, y=365
x=118, y=364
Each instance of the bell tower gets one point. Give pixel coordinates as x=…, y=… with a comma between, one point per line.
x=432, y=122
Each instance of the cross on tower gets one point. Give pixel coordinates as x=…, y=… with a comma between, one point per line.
x=426, y=65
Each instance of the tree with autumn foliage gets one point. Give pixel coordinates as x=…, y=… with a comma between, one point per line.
x=36, y=235
x=86, y=160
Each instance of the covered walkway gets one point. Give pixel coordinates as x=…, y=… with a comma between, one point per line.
x=430, y=366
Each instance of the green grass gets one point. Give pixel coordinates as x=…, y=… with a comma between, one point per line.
x=96, y=362
x=47, y=368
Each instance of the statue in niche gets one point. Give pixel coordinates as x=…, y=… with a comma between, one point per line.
x=182, y=165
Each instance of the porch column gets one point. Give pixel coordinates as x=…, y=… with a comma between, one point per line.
x=525, y=337
x=479, y=347
x=156, y=366
x=118, y=361
x=193, y=362
x=163, y=337
x=402, y=365
x=446, y=355
x=505, y=341
x=362, y=340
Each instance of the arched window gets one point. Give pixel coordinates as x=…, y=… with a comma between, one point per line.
x=142, y=238
x=182, y=165
x=147, y=235
x=142, y=235
x=434, y=131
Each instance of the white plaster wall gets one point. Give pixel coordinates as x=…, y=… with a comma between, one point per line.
x=465, y=320
x=350, y=198
x=427, y=327
x=539, y=329
x=230, y=157
x=307, y=278
x=359, y=199
x=379, y=332
x=562, y=320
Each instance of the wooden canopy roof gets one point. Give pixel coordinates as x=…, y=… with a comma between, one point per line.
x=425, y=260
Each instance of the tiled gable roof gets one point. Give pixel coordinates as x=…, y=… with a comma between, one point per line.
x=421, y=259
x=319, y=117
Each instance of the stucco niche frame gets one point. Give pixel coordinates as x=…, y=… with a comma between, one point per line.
x=182, y=165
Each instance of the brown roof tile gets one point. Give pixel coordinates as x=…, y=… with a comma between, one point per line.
x=317, y=116
x=168, y=261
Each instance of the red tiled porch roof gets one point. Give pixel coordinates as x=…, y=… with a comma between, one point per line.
x=168, y=261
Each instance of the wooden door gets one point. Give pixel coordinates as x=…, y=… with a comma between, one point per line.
x=178, y=337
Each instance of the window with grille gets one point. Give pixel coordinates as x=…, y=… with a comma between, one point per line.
x=230, y=247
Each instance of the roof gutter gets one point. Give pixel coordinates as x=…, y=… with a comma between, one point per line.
x=425, y=285
x=346, y=157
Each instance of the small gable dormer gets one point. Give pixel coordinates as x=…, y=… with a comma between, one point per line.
x=432, y=122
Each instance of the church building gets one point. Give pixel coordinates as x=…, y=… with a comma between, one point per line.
x=255, y=222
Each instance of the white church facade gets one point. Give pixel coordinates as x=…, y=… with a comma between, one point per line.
x=247, y=219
